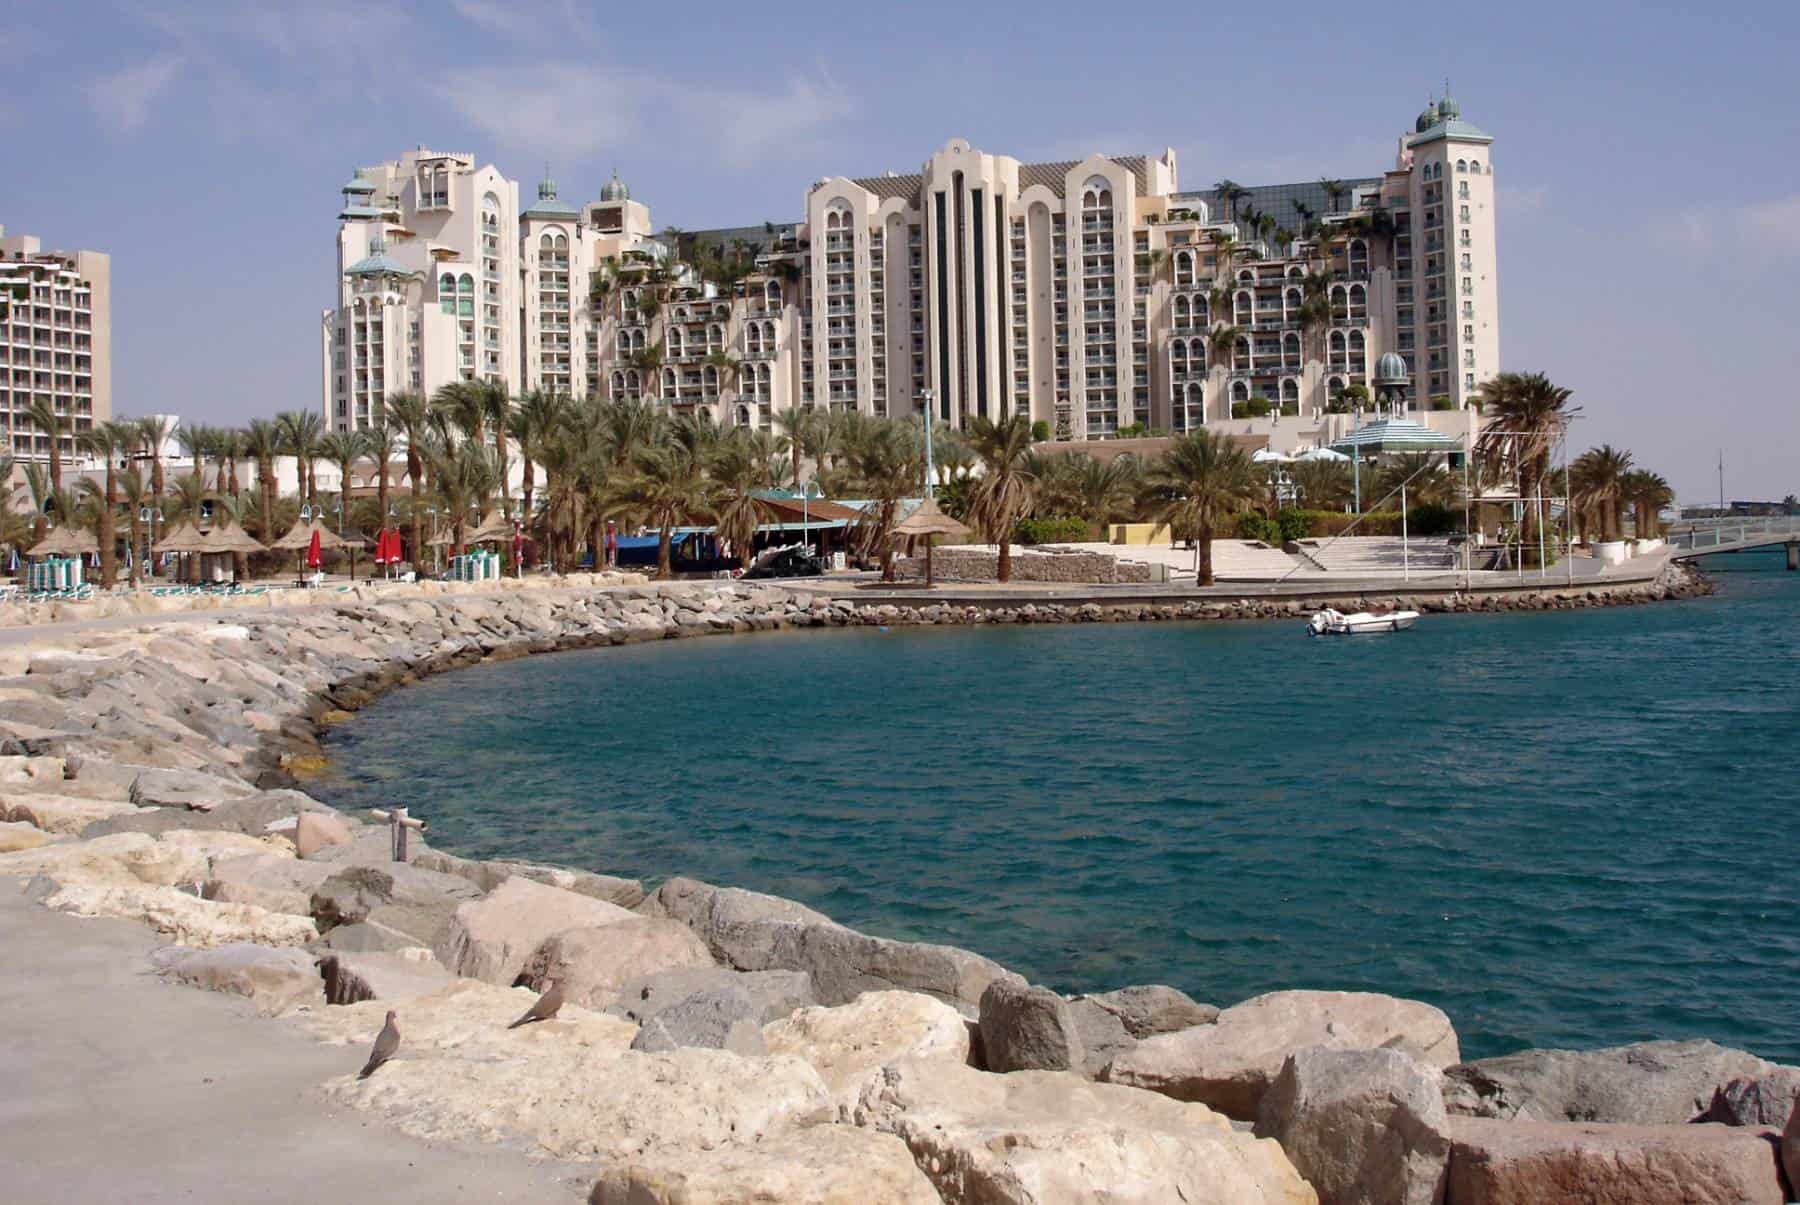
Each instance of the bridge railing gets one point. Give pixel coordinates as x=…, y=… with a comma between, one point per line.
x=1727, y=533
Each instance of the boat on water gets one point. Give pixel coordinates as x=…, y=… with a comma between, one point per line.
x=1330, y=622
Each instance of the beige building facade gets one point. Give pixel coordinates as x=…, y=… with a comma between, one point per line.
x=55, y=342
x=1094, y=296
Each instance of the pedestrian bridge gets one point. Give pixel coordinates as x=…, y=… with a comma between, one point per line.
x=1711, y=536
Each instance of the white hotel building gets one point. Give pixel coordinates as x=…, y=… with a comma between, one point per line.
x=1091, y=295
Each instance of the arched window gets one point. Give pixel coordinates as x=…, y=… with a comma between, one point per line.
x=466, y=283
x=743, y=416
x=1240, y=391
x=1462, y=165
x=1179, y=311
x=1290, y=349
x=1336, y=352
x=562, y=242
x=1244, y=307
x=1202, y=309
x=1242, y=352
x=1290, y=391
x=1292, y=300
x=545, y=243
x=1296, y=272
x=446, y=284
x=1475, y=166
x=1334, y=386
x=715, y=337
x=1197, y=353
x=1246, y=276
x=709, y=380
x=1184, y=268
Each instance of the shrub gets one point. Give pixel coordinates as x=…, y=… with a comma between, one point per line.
x=1240, y=410
x=1442, y=402
x=1252, y=526
x=1322, y=524
x=1430, y=519
x=1061, y=530
x=1292, y=523
x=1289, y=409
x=1258, y=407
x=1040, y=431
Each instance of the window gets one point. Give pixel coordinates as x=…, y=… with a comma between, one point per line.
x=1468, y=380
x=1466, y=263
x=1463, y=214
x=1468, y=285
x=1462, y=189
x=1468, y=333
x=1468, y=309
x=1462, y=165
x=1469, y=358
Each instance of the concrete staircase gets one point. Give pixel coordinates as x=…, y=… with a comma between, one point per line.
x=1379, y=555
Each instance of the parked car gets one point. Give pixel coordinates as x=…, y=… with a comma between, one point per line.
x=786, y=562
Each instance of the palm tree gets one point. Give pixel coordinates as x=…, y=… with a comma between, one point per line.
x=1524, y=416
x=262, y=443
x=344, y=449
x=106, y=440
x=795, y=424
x=531, y=427
x=154, y=430
x=301, y=431
x=1648, y=493
x=887, y=464
x=196, y=442
x=1323, y=484
x=1597, y=478
x=496, y=413
x=737, y=472
x=1426, y=476
x=410, y=414
x=1199, y=484
x=1221, y=346
x=1230, y=192
x=1335, y=191
x=463, y=480
x=135, y=492
x=664, y=487
x=228, y=447
x=380, y=442
x=43, y=496
x=1007, y=487
x=42, y=414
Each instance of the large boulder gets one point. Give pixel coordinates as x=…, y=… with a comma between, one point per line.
x=754, y=932
x=718, y=1019
x=313, y=831
x=419, y=903
x=273, y=881
x=1026, y=1028
x=273, y=980
x=185, y=919
x=491, y=938
x=369, y=937
x=848, y=1042
x=814, y=1165
x=1045, y=1137
x=56, y=813
x=1763, y=1100
x=1790, y=1148
x=185, y=789
x=256, y=814
x=1647, y=1083
x=626, y=893
x=16, y=837
x=125, y=860
x=37, y=772
x=775, y=993
x=1364, y=1127
x=596, y=962
x=352, y=978
x=1231, y=1063
x=1103, y=1036
x=1150, y=1009
x=1529, y=1162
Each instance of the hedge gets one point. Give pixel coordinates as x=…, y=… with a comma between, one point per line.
x=1064, y=530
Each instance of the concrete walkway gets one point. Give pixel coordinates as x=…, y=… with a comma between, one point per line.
x=120, y=1087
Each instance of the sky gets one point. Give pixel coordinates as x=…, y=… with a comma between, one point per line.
x=1646, y=156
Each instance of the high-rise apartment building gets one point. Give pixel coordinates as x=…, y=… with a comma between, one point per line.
x=1093, y=295
x=55, y=342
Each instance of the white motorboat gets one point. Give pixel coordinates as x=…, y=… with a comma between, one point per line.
x=1330, y=622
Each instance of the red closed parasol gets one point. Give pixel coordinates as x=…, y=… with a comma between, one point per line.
x=315, y=555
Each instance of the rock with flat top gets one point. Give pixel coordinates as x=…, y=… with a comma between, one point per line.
x=1231, y=1063
x=1761, y=1100
x=1026, y=1028
x=419, y=903
x=271, y=979
x=1045, y=1137
x=491, y=938
x=721, y=1019
x=817, y=1165
x=596, y=962
x=626, y=893
x=187, y=789
x=63, y=814
x=127, y=859
x=1530, y=1162
x=32, y=771
x=313, y=831
x=353, y=978
x=1364, y=1127
x=185, y=919
x=1150, y=1009
x=847, y=1042
x=1646, y=1083
x=775, y=993
x=18, y=837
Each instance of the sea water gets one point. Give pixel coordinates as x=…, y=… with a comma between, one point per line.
x=1564, y=829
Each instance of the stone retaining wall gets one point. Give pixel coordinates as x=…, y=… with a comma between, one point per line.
x=1028, y=565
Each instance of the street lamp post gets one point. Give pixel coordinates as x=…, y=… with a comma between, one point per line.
x=926, y=397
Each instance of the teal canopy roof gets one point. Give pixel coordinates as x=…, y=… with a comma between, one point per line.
x=548, y=206
x=358, y=211
x=1395, y=435
x=358, y=185
x=1461, y=131
x=378, y=264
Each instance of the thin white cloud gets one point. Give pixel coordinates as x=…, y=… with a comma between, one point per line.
x=122, y=100
x=560, y=111
x=748, y=126
x=1755, y=234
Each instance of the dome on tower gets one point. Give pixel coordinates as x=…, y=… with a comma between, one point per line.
x=615, y=190
x=1428, y=118
x=1448, y=109
x=1391, y=369
x=548, y=206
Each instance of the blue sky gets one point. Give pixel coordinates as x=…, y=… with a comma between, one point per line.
x=1647, y=156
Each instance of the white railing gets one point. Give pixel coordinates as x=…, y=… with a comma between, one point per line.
x=1744, y=532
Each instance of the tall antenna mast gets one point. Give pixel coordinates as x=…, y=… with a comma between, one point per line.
x=1721, y=481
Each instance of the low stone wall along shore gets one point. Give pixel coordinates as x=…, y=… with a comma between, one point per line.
x=715, y=1044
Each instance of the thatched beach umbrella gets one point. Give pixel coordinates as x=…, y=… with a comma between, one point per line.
x=300, y=537
x=228, y=537
x=184, y=537
x=65, y=541
x=928, y=521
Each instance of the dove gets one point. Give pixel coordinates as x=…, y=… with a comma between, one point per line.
x=546, y=1006
x=386, y=1043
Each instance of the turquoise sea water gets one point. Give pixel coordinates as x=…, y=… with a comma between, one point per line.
x=1564, y=829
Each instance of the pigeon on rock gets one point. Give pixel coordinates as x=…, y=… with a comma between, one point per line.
x=386, y=1043
x=546, y=1006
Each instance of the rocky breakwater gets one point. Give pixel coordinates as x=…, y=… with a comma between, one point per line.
x=720, y=1045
